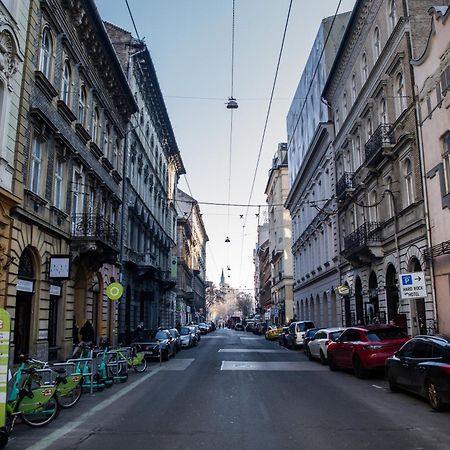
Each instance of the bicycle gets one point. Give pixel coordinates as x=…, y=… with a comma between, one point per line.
x=69, y=388
x=120, y=362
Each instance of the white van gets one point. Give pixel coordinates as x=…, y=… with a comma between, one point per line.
x=297, y=332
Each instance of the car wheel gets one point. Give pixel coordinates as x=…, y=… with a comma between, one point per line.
x=332, y=365
x=358, y=368
x=392, y=384
x=323, y=360
x=309, y=354
x=165, y=355
x=433, y=396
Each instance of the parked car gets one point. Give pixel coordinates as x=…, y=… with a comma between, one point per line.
x=365, y=348
x=422, y=366
x=318, y=344
x=176, y=336
x=161, y=341
x=203, y=328
x=282, y=337
x=273, y=332
x=213, y=326
x=297, y=332
x=198, y=332
x=249, y=327
x=239, y=327
x=188, y=337
x=259, y=328
x=307, y=337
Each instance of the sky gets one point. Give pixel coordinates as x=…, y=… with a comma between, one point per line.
x=190, y=44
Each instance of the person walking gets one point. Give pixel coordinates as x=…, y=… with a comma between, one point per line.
x=87, y=337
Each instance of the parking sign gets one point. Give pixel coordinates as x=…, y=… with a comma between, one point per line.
x=412, y=285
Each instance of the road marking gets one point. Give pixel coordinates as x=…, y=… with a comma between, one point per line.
x=250, y=338
x=214, y=337
x=289, y=366
x=178, y=364
x=58, y=434
x=376, y=386
x=248, y=350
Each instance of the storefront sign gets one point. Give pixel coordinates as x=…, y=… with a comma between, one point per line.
x=412, y=285
x=59, y=267
x=55, y=290
x=343, y=289
x=5, y=329
x=24, y=285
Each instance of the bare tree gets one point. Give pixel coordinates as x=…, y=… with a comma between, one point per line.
x=244, y=303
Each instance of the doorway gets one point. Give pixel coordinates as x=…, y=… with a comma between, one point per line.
x=22, y=324
x=359, y=302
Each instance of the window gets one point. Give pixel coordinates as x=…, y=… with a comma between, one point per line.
x=376, y=43
x=390, y=201
x=364, y=68
x=65, y=83
x=77, y=192
x=337, y=120
x=392, y=14
x=106, y=140
x=369, y=128
x=358, y=158
x=409, y=189
x=353, y=88
x=400, y=93
x=373, y=211
x=446, y=158
x=95, y=125
x=36, y=165
x=383, y=111
x=46, y=53
x=82, y=105
x=344, y=103
x=59, y=167
x=115, y=152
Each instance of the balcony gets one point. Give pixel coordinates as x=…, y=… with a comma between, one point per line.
x=345, y=185
x=379, y=145
x=140, y=259
x=94, y=236
x=364, y=244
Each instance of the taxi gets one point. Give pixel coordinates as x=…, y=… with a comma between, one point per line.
x=273, y=332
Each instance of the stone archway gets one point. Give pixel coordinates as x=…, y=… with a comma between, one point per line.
x=393, y=299
x=373, y=307
x=306, y=314
x=359, y=303
x=325, y=315
x=418, y=314
x=313, y=309
x=333, y=318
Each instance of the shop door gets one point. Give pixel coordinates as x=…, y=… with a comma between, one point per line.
x=22, y=325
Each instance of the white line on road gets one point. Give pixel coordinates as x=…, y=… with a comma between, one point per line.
x=376, y=386
x=248, y=350
x=288, y=366
x=250, y=338
x=58, y=434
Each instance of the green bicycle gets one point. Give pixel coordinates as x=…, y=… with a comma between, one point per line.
x=121, y=361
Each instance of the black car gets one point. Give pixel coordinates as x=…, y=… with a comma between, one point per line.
x=422, y=366
x=176, y=336
x=308, y=336
x=283, y=336
x=161, y=341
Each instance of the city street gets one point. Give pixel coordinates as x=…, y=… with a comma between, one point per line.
x=237, y=390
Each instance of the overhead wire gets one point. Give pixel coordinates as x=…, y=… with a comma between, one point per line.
x=132, y=19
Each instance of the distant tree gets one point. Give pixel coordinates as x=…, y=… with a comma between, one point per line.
x=214, y=295
x=244, y=303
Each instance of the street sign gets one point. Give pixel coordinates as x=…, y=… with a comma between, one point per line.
x=114, y=291
x=412, y=285
x=5, y=329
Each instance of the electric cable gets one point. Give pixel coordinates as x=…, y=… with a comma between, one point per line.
x=132, y=19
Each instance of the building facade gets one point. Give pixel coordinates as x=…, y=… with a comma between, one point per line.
x=381, y=211
x=75, y=105
x=191, y=254
x=280, y=237
x=312, y=183
x=432, y=80
x=263, y=280
x=152, y=168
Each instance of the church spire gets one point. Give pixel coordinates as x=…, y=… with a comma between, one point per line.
x=222, y=279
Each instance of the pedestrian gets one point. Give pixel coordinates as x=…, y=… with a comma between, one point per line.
x=139, y=333
x=87, y=337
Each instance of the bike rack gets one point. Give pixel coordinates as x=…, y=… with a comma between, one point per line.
x=88, y=362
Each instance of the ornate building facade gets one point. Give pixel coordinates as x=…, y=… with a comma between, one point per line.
x=74, y=111
x=381, y=211
x=152, y=167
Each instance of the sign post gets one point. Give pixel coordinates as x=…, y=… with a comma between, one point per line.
x=5, y=332
x=412, y=285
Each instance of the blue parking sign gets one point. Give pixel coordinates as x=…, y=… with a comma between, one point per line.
x=407, y=280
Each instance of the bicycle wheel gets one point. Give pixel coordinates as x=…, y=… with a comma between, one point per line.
x=71, y=398
x=41, y=416
x=118, y=369
x=140, y=366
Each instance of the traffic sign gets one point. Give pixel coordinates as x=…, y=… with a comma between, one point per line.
x=114, y=291
x=412, y=285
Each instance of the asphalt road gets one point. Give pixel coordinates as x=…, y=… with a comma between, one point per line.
x=236, y=390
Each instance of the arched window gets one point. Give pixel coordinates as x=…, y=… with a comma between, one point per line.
x=82, y=105
x=36, y=165
x=46, y=53
x=106, y=140
x=383, y=111
x=95, y=125
x=353, y=88
x=400, y=93
x=376, y=43
x=364, y=68
x=392, y=14
x=65, y=83
x=409, y=183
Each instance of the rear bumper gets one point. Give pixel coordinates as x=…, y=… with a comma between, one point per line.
x=374, y=360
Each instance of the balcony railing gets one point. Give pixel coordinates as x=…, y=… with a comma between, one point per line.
x=140, y=259
x=362, y=237
x=94, y=227
x=381, y=138
x=344, y=185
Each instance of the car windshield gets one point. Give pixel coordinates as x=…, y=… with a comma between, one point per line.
x=184, y=331
x=161, y=335
x=335, y=334
x=386, y=334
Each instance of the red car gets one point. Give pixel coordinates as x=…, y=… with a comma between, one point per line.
x=365, y=348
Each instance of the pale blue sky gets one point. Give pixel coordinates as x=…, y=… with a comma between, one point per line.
x=190, y=43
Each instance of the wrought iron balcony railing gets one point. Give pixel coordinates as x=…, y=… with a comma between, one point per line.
x=94, y=227
x=344, y=185
x=365, y=234
x=381, y=138
x=140, y=259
